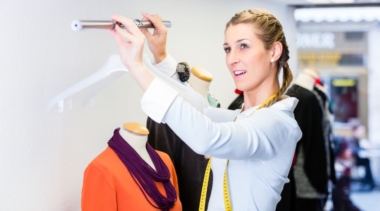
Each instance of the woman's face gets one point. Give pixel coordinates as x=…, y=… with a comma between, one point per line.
x=246, y=57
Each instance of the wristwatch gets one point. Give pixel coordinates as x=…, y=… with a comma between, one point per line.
x=183, y=71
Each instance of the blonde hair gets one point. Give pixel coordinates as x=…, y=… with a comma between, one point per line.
x=270, y=31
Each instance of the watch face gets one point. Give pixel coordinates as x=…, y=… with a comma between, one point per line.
x=183, y=71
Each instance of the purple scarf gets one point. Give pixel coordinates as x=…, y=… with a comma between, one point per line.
x=143, y=174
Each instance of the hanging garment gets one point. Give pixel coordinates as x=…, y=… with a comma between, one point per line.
x=108, y=185
x=237, y=103
x=312, y=168
x=311, y=150
x=327, y=131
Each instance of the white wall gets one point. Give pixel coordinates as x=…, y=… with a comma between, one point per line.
x=43, y=154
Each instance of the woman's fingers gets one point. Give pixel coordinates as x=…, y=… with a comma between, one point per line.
x=125, y=35
x=119, y=40
x=130, y=41
x=156, y=21
x=129, y=24
x=157, y=40
x=129, y=33
x=145, y=31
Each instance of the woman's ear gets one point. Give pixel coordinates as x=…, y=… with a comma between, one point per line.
x=276, y=51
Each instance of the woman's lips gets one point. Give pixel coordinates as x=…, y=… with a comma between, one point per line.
x=239, y=72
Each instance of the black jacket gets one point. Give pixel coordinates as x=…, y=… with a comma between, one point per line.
x=308, y=115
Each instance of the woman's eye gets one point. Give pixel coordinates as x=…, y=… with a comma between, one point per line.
x=227, y=50
x=242, y=46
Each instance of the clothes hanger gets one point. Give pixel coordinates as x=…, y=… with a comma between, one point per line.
x=110, y=71
x=187, y=93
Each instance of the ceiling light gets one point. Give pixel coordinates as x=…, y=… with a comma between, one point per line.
x=330, y=1
x=319, y=1
x=342, y=1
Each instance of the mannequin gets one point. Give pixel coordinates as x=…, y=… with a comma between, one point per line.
x=306, y=79
x=137, y=136
x=312, y=167
x=130, y=175
x=200, y=81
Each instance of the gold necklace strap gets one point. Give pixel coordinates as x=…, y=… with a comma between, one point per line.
x=227, y=201
x=202, y=202
x=266, y=101
x=226, y=196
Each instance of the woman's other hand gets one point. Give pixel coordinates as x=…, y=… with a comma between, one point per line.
x=157, y=40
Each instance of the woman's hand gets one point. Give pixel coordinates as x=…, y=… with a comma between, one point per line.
x=157, y=40
x=130, y=41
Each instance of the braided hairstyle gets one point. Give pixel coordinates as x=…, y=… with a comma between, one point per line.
x=270, y=31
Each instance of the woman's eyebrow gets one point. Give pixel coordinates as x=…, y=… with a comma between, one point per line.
x=238, y=41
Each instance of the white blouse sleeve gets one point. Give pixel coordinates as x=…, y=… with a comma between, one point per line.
x=262, y=136
x=168, y=66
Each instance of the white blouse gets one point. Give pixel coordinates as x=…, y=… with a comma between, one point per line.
x=259, y=144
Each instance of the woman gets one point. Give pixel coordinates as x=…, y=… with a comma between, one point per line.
x=259, y=140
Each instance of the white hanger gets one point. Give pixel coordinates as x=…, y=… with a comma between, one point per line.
x=110, y=71
x=113, y=69
x=197, y=100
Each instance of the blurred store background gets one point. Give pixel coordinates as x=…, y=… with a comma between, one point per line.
x=340, y=40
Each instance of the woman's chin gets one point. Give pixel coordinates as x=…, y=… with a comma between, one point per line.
x=240, y=87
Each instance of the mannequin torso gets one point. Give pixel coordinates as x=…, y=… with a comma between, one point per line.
x=306, y=79
x=111, y=181
x=137, y=136
x=200, y=81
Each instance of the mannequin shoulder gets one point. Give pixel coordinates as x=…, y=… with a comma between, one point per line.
x=299, y=92
x=164, y=156
x=105, y=159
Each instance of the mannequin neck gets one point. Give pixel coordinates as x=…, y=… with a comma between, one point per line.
x=199, y=85
x=305, y=81
x=138, y=143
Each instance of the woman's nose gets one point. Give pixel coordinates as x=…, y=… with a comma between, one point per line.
x=233, y=58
